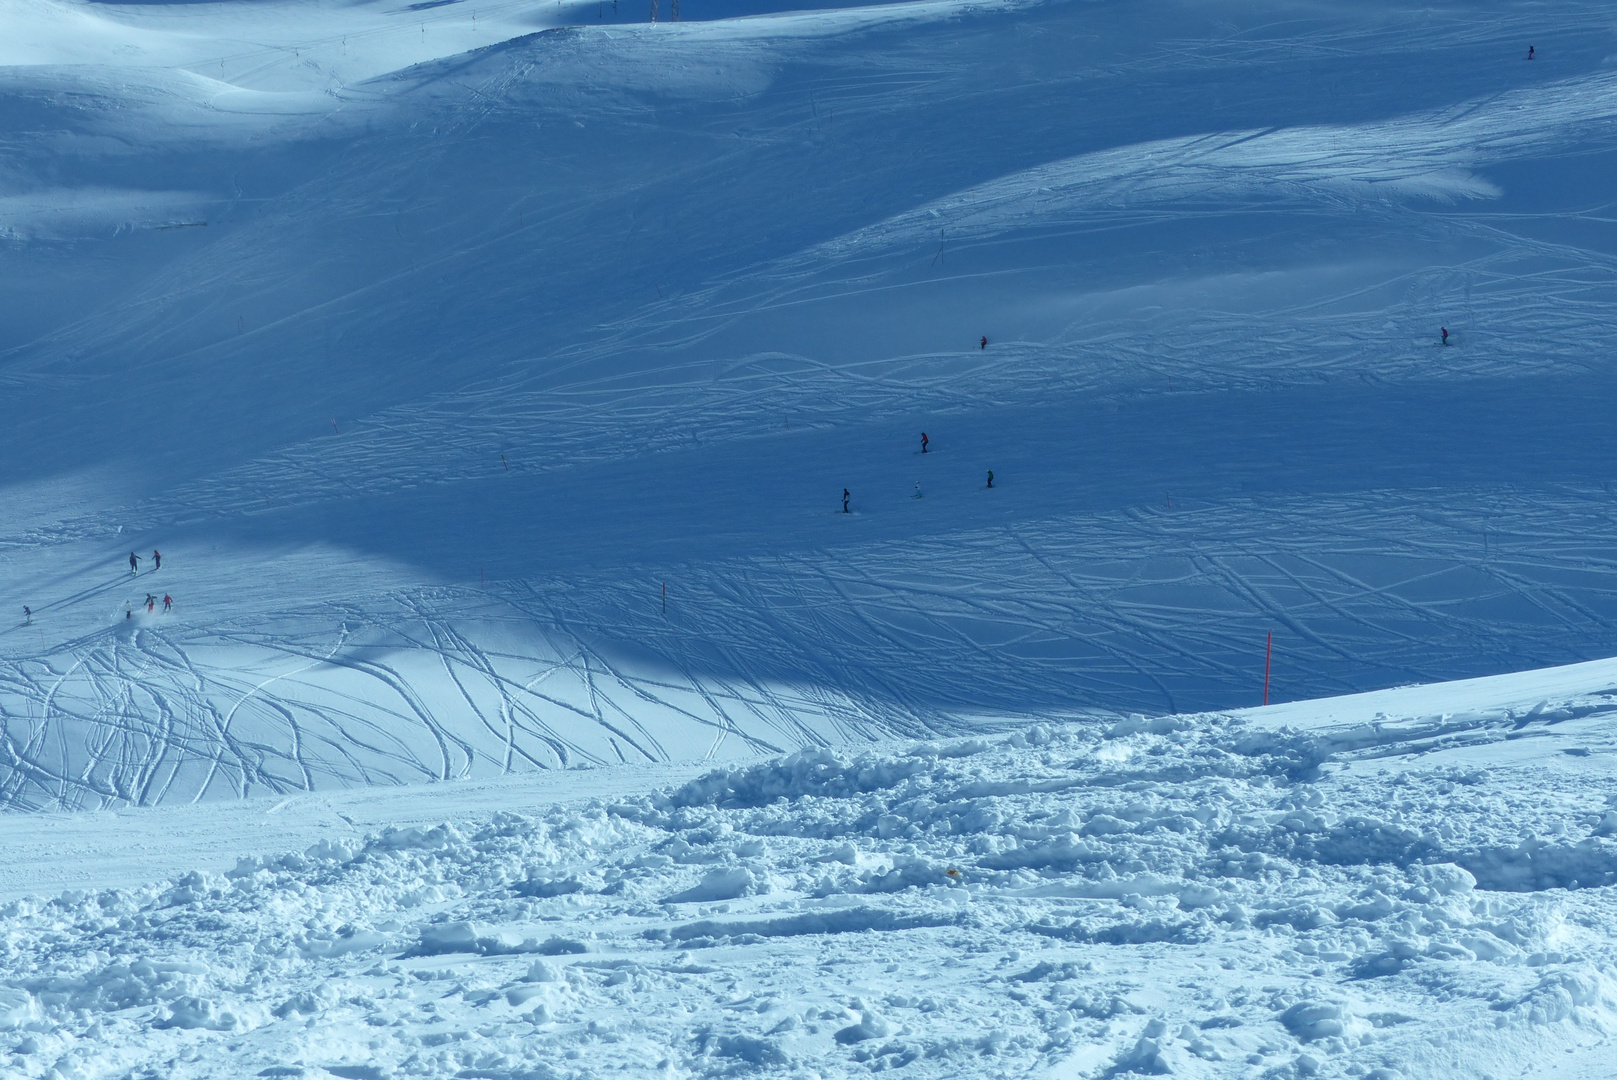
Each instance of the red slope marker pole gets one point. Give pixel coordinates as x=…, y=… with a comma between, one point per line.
x=1268, y=654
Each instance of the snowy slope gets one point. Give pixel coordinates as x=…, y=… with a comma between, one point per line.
x=430, y=342
x=429, y=348
x=1362, y=889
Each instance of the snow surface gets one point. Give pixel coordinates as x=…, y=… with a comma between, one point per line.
x=430, y=342
x=1386, y=894
x=435, y=344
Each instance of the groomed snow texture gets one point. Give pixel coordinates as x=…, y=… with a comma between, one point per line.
x=430, y=343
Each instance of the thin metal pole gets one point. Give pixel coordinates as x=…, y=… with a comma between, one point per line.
x=1268, y=654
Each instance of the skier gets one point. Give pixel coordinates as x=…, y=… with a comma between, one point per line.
x=168, y=603
x=917, y=494
x=27, y=616
x=1445, y=334
x=990, y=477
x=845, y=500
x=134, y=563
x=1530, y=51
x=924, y=441
x=151, y=602
x=984, y=343
x=157, y=559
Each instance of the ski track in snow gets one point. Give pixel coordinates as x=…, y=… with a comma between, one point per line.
x=1055, y=633
x=431, y=343
x=472, y=338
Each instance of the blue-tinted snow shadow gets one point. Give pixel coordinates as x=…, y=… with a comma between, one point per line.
x=908, y=568
x=463, y=281
x=1078, y=456
x=315, y=310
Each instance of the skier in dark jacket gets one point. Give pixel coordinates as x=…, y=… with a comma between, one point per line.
x=845, y=500
x=134, y=563
x=984, y=343
x=27, y=616
x=990, y=477
x=157, y=559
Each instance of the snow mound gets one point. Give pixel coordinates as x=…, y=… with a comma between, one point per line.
x=1160, y=899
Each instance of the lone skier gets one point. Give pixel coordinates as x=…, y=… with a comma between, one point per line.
x=157, y=559
x=924, y=441
x=134, y=563
x=990, y=477
x=1445, y=334
x=27, y=616
x=845, y=500
x=984, y=343
x=168, y=603
x=1530, y=51
x=917, y=494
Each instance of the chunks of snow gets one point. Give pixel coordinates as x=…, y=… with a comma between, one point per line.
x=17, y=1008
x=1226, y=914
x=871, y=1025
x=1310, y=1020
x=723, y=883
x=1145, y=1056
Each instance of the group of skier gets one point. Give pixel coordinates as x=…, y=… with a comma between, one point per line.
x=150, y=601
x=129, y=608
x=925, y=448
x=846, y=496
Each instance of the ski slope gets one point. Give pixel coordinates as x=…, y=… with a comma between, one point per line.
x=489, y=377
x=429, y=344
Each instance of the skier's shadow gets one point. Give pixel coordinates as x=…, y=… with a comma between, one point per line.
x=85, y=594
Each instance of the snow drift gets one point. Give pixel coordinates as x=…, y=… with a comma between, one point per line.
x=1196, y=898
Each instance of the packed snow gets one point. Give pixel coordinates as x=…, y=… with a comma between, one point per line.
x=489, y=377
